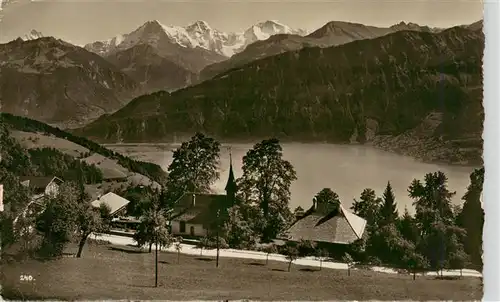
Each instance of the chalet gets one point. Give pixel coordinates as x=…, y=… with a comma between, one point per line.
x=331, y=226
x=116, y=203
x=195, y=215
x=42, y=185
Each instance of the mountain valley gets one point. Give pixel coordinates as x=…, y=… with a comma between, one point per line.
x=421, y=89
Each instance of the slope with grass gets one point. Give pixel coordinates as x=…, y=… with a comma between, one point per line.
x=108, y=272
x=417, y=93
x=42, y=133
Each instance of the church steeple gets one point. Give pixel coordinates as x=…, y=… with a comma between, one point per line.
x=231, y=181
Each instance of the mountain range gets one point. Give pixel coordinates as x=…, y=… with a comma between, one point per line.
x=406, y=88
x=331, y=34
x=409, y=91
x=196, y=35
x=50, y=80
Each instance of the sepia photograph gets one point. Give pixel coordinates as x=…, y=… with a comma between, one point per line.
x=241, y=150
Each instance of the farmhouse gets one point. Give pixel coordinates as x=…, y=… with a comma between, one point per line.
x=331, y=226
x=195, y=215
x=42, y=185
x=116, y=203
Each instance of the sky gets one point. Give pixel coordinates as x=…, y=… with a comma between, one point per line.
x=84, y=21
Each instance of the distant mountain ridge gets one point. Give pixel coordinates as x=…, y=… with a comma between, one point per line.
x=32, y=35
x=170, y=57
x=331, y=34
x=414, y=92
x=56, y=82
x=199, y=34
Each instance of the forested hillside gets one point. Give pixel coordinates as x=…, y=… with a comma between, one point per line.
x=418, y=93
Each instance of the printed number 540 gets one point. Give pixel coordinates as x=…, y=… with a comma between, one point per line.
x=26, y=278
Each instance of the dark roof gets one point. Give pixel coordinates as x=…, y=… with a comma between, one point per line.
x=231, y=181
x=39, y=182
x=204, y=210
x=333, y=226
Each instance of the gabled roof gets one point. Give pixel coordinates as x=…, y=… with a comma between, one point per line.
x=38, y=182
x=115, y=202
x=204, y=210
x=333, y=226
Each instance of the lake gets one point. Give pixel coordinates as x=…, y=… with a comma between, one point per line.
x=346, y=169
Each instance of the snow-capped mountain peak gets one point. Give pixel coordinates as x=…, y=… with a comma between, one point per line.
x=197, y=34
x=32, y=35
x=200, y=26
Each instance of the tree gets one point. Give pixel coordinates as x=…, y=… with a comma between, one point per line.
x=388, y=211
x=458, y=260
x=388, y=245
x=203, y=243
x=298, y=212
x=140, y=198
x=194, y=166
x=57, y=221
x=89, y=220
x=327, y=197
x=321, y=254
x=367, y=207
x=408, y=228
x=269, y=249
x=471, y=218
x=237, y=230
x=178, y=247
x=306, y=248
x=266, y=181
x=432, y=198
x=435, y=218
x=415, y=262
x=291, y=253
x=347, y=259
x=152, y=227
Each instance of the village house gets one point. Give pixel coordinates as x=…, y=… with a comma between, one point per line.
x=331, y=226
x=116, y=203
x=41, y=187
x=195, y=215
x=118, y=211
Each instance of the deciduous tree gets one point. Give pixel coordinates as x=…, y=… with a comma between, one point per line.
x=237, y=230
x=291, y=253
x=415, y=262
x=178, y=247
x=194, y=166
x=153, y=227
x=269, y=249
x=266, y=181
x=327, y=196
x=347, y=259
x=57, y=222
x=321, y=255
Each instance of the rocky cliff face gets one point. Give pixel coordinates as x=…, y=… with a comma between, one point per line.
x=56, y=82
x=417, y=93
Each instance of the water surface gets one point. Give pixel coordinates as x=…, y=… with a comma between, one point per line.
x=346, y=169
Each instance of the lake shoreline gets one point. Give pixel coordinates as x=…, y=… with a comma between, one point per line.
x=345, y=168
x=367, y=145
